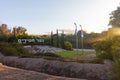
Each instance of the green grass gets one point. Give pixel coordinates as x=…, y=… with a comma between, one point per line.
x=71, y=54
x=77, y=56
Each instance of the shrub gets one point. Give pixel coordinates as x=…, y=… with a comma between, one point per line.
x=110, y=49
x=8, y=50
x=116, y=65
x=20, y=48
x=68, y=45
x=105, y=49
x=13, y=49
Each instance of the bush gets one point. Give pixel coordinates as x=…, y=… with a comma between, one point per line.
x=20, y=48
x=68, y=45
x=13, y=49
x=116, y=65
x=110, y=49
x=8, y=50
x=105, y=49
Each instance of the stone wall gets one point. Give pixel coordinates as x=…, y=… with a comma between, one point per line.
x=43, y=49
x=69, y=69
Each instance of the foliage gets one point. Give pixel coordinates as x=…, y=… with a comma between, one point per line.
x=4, y=30
x=51, y=39
x=68, y=45
x=20, y=49
x=116, y=65
x=7, y=49
x=115, y=18
x=105, y=49
x=109, y=49
x=13, y=49
x=12, y=39
x=19, y=30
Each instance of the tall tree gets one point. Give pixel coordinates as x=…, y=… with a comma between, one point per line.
x=19, y=30
x=57, y=38
x=51, y=38
x=4, y=30
x=115, y=18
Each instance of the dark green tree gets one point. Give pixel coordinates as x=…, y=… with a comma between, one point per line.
x=4, y=32
x=19, y=30
x=51, y=38
x=115, y=18
x=57, y=38
x=62, y=39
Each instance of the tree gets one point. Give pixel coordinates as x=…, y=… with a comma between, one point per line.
x=4, y=30
x=115, y=18
x=19, y=30
x=51, y=38
x=57, y=38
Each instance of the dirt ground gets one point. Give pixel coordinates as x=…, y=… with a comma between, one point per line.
x=10, y=73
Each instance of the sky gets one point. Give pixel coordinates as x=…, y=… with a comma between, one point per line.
x=44, y=16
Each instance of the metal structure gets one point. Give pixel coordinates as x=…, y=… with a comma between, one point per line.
x=76, y=38
x=82, y=36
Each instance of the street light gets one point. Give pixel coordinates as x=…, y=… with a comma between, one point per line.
x=76, y=35
x=76, y=38
x=82, y=35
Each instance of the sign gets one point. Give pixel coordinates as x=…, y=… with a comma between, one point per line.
x=25, y=41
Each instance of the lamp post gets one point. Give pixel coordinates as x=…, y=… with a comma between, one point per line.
x=76, y=38
x=82, y=35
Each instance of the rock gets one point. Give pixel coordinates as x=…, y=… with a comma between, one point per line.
x=59, y=68
x=43, y=49
x=10, y=73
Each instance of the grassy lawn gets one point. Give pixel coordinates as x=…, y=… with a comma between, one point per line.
x=71, y=54
x=78, y=57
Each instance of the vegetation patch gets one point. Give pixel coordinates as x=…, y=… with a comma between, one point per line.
x=13, y=49
x=71, y=54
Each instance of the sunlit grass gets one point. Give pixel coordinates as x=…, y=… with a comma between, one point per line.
x=71, y=54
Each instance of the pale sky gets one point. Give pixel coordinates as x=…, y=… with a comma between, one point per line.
x=43, y=16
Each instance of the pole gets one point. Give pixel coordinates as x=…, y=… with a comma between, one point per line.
x=82, y=35
x=76, y=38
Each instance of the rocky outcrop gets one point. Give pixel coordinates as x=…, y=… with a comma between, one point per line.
x=69, y=69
